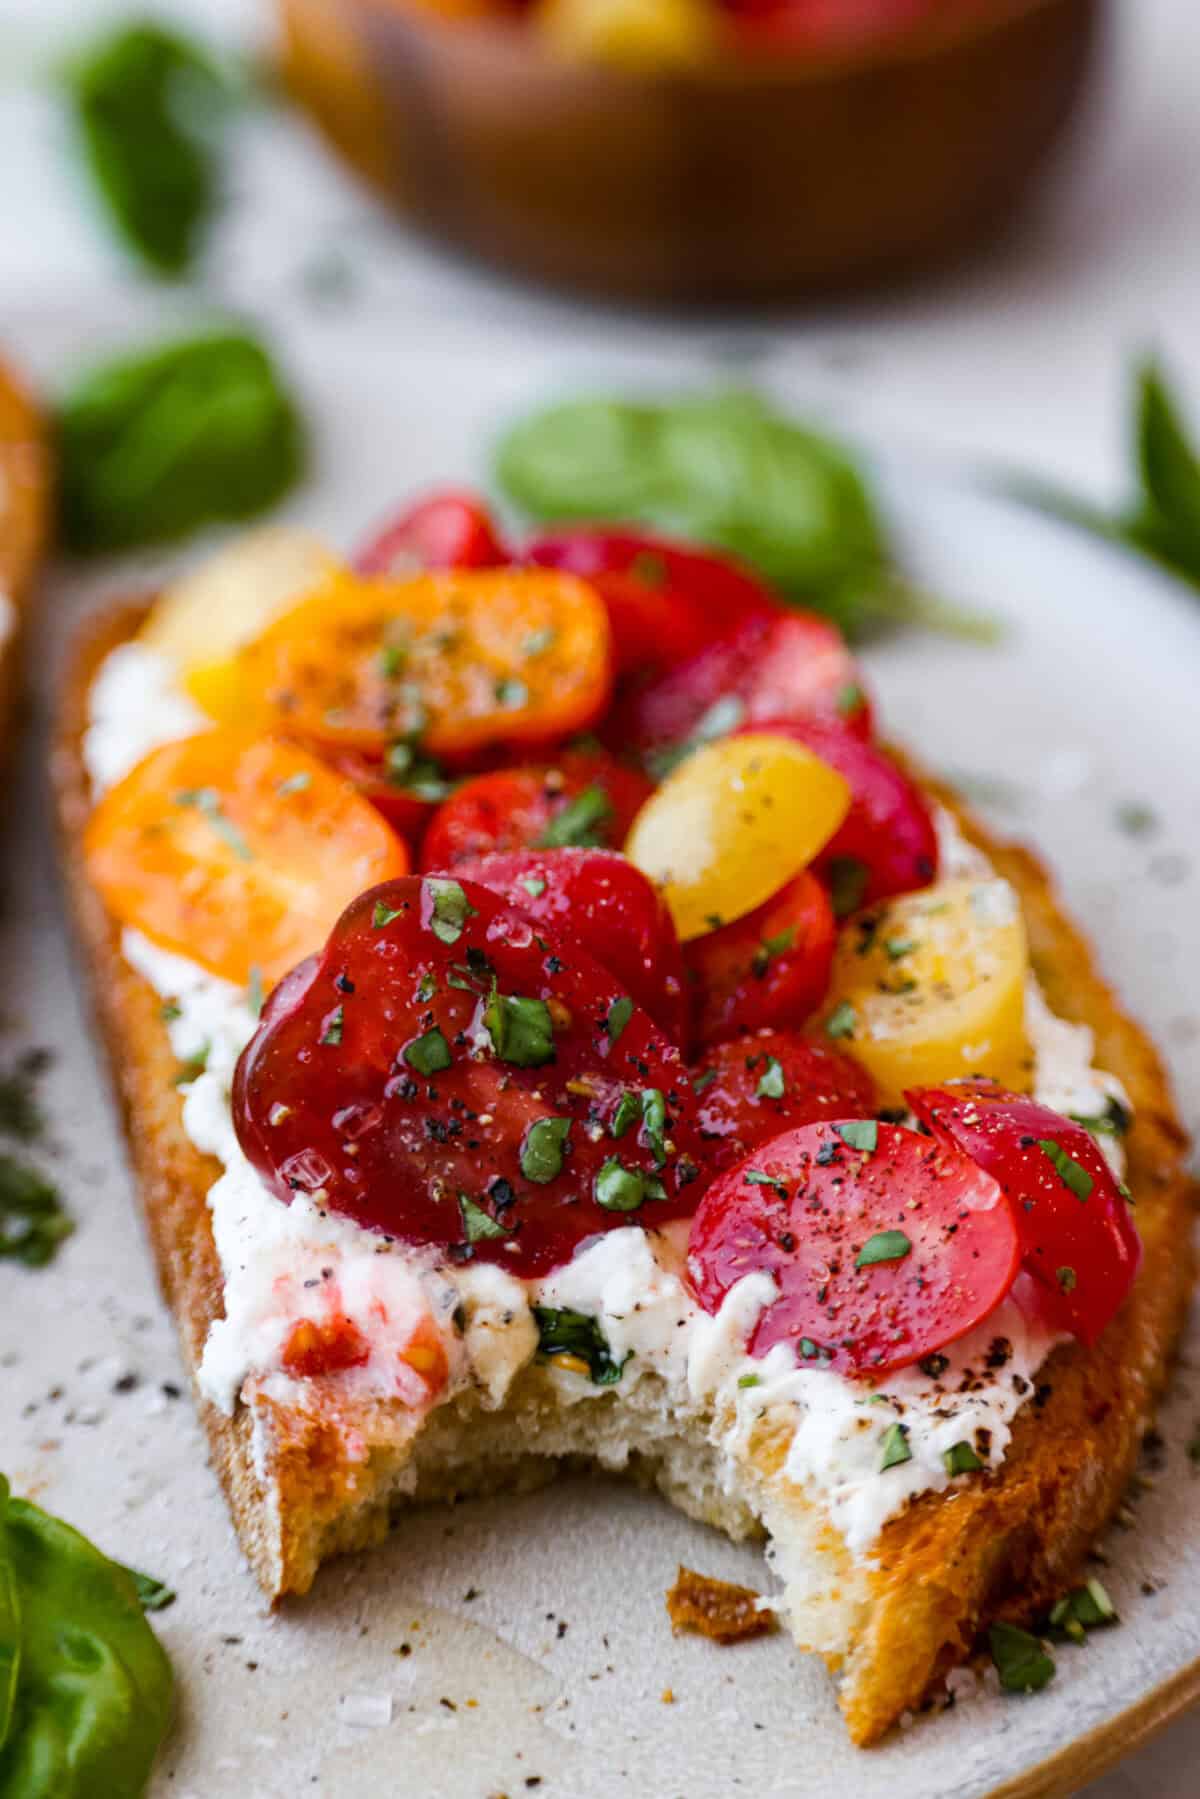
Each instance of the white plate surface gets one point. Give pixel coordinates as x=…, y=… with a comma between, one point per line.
x=539, y=1649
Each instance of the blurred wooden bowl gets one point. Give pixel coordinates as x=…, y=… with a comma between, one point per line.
x=752, y=178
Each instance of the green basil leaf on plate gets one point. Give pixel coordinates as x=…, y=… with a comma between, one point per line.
x=155, y=444
x=149, y=108
x=85, y=1685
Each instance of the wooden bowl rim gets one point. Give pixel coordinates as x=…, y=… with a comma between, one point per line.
x=739, y=66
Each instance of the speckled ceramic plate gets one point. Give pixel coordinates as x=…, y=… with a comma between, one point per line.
x=522, y=1645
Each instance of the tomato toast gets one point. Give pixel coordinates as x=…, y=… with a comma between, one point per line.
x=780, y=1151
x=24, y=524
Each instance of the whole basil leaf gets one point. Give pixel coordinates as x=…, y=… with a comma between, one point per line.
x=1163, y=518
x=149, y=106
x=154, y=445
x=588, y=459
x=92, y=1695
x=1169, y=523
x=10, y=1627
x=724, y=470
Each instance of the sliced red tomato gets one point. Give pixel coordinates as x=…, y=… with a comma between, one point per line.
x=758, y=1086
x=447, y=1074
x=767, y=969
x=885, y=1245
x=1077, y=1234
x=665, y=600
x=445, y=530
x=775, y=665
x=888, y=844
x=587, y=799
x=606, y=905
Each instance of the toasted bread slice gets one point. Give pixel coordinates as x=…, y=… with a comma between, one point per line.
x=1009, y=1544
x=24, y=525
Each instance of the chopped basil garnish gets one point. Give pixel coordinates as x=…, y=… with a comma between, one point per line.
x=897, y=947
x=960, y=1458
x=1020, y=1659
x=860, y=1133
x=884, y=1246
x=297, y=783
x=850, y=699
x=848, y=878
x=723, y=716
x=1067, y=1279
x=1085, y=1608
x=333, y=1026
x=621, y=1189
x=538, y=642
x=510, y=694
x=193, y=1067
x=894, y=1446
x=32, y=1220
x=770, y=947
x=208, y=801
x=771, y=1084
x=1070, y=1172
x=451, y=908
x=841, y=1021
x=533, y=885
x=392, y=658
x=384, y=914
x=808, y=1349
x=703, y=1081
x=619, y=1014
x=542, y=1149
x=749, y=1380
x=568, y=1333
x=170, y=1010
x=654, y=1123
x=153, y=1595
x=478, y=1226
x=521, y=1029
x=578, y=825
x=628, y=1112
x=1114, y=1121
x=428, y=1054
x=754, y=1177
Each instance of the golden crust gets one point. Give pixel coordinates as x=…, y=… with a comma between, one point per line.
x=1008, y=1543
x=24, y=521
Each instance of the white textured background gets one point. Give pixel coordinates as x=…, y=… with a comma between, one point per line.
x=1020, y=359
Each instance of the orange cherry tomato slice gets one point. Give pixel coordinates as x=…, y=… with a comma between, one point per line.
x=237, y=851
x=457, y=660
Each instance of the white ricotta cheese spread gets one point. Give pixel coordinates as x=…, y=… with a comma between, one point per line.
x=284, y=1264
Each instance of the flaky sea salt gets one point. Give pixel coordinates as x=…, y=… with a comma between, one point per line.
x=368, y=1711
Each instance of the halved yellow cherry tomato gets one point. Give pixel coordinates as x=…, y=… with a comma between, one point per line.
x=240, y=852
x=931, y=985
x=633, y=34
x=202, y=620
x=732, y=824
x=457, y=659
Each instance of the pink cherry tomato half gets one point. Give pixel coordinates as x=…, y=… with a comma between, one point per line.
x=888, y=844
x=602, y=902
x=446, y=530
x=884, y=1245
x=665, y=600
x=767, y=969
x=754, y=1088
x=771, y=666
x=1077, y=1234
